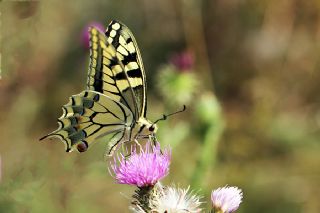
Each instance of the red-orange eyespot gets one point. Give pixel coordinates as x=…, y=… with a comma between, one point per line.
x=82, y=146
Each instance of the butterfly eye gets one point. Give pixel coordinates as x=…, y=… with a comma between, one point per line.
x=82, y=146
x=151, y=128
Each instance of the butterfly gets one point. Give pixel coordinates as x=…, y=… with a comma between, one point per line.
x=114, y=103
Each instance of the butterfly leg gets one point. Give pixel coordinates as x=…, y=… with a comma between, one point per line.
x=132, y=148
x=152, y=138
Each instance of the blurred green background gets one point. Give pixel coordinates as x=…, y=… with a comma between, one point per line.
x=248, y=72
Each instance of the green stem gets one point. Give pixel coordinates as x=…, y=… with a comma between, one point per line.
x=208, y=154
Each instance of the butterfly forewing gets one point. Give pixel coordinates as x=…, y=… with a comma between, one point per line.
x=104, y=66
x=128, y=53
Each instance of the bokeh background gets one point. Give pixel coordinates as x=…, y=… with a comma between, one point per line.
x=248, y=72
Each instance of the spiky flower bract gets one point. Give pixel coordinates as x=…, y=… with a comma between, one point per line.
x=226, y=199
x=177, y=87
x=142, y=168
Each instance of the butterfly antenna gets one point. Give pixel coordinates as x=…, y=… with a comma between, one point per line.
x=166, y=116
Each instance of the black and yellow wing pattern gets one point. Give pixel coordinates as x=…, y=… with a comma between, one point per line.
x=114, y=102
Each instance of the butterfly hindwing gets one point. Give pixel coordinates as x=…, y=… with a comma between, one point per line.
x=89, y=116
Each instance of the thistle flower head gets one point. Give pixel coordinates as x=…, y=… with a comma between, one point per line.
x=175, y=200
x=183, y=61
x=226, y=199
x=144, y=167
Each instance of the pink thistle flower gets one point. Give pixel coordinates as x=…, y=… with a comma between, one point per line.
x=85, y=34
x=144, y=168
x=183, y=61
x=226, y=199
